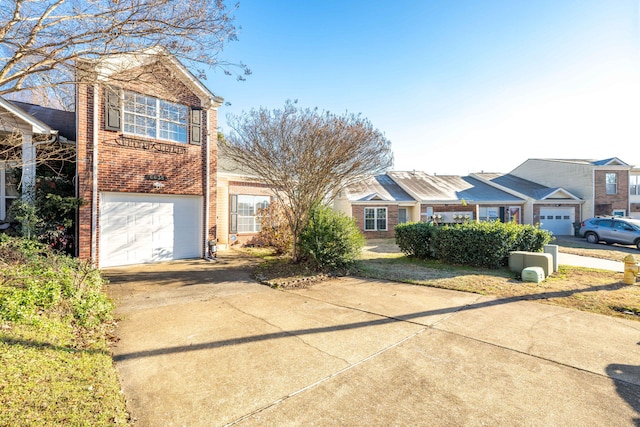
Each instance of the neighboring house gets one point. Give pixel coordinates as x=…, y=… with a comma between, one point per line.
x=30, y=123
x=634, y=192
x=241, y=196
x=449, y=199
x=377, y=204
x=554, y=209
x=602, y=184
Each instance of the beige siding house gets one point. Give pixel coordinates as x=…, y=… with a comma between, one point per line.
x=602, y=184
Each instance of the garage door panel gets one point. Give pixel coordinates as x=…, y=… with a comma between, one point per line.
x=139, y=228
x=557, y=220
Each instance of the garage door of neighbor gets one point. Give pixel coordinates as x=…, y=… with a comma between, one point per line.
x=143, y=228
x=558, y=220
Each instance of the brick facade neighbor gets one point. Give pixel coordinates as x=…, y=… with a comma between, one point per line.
x=357, y=212
x=605, y=203
x=138, y=165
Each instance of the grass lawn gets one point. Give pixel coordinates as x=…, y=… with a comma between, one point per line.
x=47, y=380
x=55, y=326
x=592, y=290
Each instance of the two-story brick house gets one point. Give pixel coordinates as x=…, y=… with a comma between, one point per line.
x=146, y=160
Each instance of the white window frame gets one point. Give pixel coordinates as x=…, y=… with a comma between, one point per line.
x=4, y=171
x=634, y=185
x=611, y=187
x=164, y=120
x=377, y=216
x=249, y=221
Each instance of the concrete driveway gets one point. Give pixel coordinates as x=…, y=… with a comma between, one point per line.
x=201, y=344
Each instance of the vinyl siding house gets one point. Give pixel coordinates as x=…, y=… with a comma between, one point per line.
x=240, y=197
x=602, y=184
x=31, y=124
x=554, y=209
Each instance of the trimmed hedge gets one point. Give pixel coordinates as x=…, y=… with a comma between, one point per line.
x=479, y=244
x=415, y=239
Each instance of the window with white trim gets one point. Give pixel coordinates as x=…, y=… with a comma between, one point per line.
x=634, y=185
x=611, y=180
x=249, y=212
x=8, y=189
x=155, y=118
x=375, y=219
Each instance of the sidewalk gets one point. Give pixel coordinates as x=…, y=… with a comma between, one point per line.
x=206, y=346
x=589, y=262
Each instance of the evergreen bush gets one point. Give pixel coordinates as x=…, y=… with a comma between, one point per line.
x=331, y=240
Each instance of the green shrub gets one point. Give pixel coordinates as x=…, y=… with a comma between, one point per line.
x=480, y=244
x=331, y=240
x=36, y=281
x=486, y=244
x=415, y=239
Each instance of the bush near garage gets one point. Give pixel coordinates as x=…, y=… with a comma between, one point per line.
x=479, y=244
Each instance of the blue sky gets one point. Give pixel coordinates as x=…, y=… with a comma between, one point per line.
x=456, y=86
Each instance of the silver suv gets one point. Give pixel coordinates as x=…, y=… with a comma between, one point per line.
x=625, y=231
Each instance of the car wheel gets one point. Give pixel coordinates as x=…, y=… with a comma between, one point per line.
x=592, y=237
x=638, y=244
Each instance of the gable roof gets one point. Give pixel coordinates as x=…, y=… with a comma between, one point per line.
x=612, y=161
x=525, y=187
x=117, y=63
x=377, y=188
x=63, y=121
x=450, y=188
x=37, y=125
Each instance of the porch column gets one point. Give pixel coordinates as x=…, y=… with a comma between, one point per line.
x=28, y=167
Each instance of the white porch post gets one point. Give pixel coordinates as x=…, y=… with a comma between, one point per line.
x=28, y=167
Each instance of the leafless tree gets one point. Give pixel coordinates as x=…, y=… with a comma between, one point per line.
x=41, y=40
x=305, y=155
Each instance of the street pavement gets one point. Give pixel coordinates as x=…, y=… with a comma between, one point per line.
x=202, y=344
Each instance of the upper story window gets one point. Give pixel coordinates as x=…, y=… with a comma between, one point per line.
x=634, y=185
x=611, y=180
x=375, y=219
x=154, y=118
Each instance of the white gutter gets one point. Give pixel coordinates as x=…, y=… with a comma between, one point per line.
x=94, y=190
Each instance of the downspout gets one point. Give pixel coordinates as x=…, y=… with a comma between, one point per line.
x=207, y=184
x=94, y=189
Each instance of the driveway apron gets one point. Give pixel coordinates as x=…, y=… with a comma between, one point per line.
x=202, y=344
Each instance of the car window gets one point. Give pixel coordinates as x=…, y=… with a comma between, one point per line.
x=619, y=225
x=604, y=223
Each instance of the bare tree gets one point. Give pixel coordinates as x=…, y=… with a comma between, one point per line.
x=305, y=155
x=41, y=40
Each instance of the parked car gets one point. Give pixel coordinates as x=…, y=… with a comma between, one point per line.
x=625, y=231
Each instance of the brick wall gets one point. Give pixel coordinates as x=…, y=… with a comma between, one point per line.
x=357, y=212
x=133, y=164
x=605, y=204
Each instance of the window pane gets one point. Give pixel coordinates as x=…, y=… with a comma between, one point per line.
x=369, y=219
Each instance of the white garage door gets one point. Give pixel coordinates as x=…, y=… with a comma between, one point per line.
x=143, y=228
x=557, y=220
